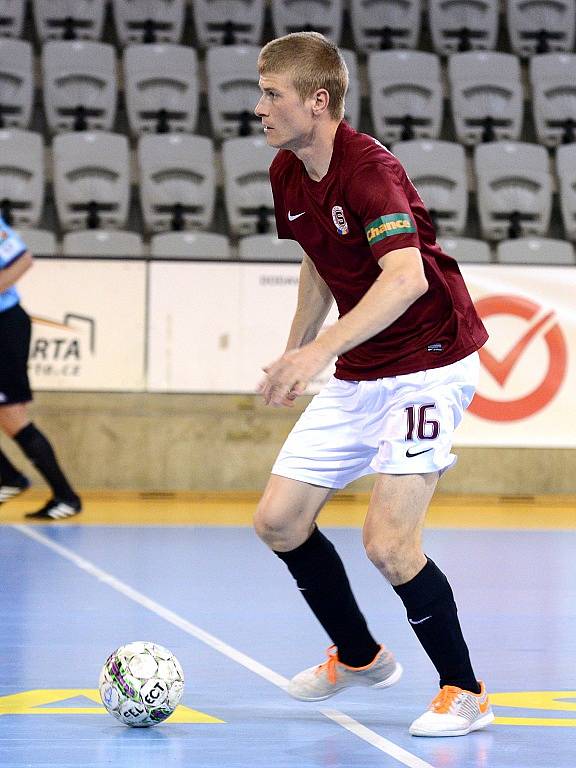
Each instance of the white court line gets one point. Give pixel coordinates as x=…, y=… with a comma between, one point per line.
x=342, y=719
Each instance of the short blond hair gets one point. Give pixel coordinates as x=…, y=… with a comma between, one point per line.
x=313, y=62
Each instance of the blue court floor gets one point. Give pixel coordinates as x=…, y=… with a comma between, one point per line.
x=229, y=611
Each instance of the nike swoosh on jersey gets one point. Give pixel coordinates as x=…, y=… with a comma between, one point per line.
x=411, y=455
x=291, y=216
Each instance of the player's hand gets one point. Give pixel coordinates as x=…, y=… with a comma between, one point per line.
x=289, y=376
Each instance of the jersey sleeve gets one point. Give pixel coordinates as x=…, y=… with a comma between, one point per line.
x=11, y=245
x=280, y=213
x=377, y=197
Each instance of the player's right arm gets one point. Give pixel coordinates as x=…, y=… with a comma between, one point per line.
x=314, y=302
x=14, y=271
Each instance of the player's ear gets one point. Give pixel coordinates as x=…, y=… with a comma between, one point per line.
x=321, y=101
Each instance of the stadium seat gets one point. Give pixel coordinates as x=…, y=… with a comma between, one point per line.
x=233, y=90
x=148, y=21
x=69, y=19
x=535, y=250
x=378, y=25
x=177, y=181
x=487, y=98
x=405, y=95
x=232, y=22
x=99, y=242
x=553, y=80
x=352, y=108
x=463, y=25
x=11, y=17
x=541, y=27
x=268, y=248
x=40, y=241
x=91, y=180
x=21, y=177
x=514, y=189
x=161, y=87
x=323, y=16
x=16, y=83
x=247, y=188
x=190, y=245
x=80, y=90
x=438, y=171
x=466, y=249
x=566, y=173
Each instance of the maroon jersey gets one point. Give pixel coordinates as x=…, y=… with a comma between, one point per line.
x=363, y=208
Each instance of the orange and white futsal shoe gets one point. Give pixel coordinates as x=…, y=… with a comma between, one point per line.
x=454, y=712
x=327, y=679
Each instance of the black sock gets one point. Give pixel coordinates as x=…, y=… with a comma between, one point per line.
x=433, y=616
x=38, y=449
x=321, y=577
x=8, y=472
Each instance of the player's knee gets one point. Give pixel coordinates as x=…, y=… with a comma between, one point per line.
x=390, y=555
x=271, y=524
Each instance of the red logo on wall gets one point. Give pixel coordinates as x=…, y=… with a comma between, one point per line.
x=500, y=369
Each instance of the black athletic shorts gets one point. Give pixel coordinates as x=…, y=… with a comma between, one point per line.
x=15, y=332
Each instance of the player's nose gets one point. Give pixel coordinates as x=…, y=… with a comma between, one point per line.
x=259, y=110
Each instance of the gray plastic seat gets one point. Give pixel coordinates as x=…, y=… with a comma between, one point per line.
x=514, y=189
x=487, y=97
x=323, y=16
x=438, y=171
x=268, y=248
x=190, y=245
x=541, y=27
x=16, y=82
x=69, y=19
x=566, y=173
x=352, y=103
x=177, y=181
x=11, y=17
x=535, y=250
x=148, y=21
x=247, y=187
x=463, y=25
x=406, y=97
x=233, y=90
x=553, y=80
x=99, y=242
x=161, y=87
x=229, y=22
x=383, y=24
x=22, y=175
x=466, y=250
x=91, y=179
x=40, y=241
x=80, y=89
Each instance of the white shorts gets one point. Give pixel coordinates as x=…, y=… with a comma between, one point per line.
x=399, y=425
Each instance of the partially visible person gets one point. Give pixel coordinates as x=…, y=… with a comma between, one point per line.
x=15, y=393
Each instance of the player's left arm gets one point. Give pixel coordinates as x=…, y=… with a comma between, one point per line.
x=14, y=271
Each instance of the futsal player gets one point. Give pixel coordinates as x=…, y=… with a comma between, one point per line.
x=15, y=393
x=407, y=364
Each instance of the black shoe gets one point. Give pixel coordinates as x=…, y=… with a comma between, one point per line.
x=55, y=509
x=13, y=488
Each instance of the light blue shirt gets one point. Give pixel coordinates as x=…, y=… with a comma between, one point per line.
x=11, y=248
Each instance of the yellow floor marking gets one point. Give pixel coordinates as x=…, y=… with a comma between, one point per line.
x=537, y=721
x=545, y=700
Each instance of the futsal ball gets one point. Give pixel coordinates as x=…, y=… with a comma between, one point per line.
x=141, y=684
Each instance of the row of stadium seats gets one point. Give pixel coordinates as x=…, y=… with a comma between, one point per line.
x=177, y=180
x=162, y=88
x=456, y=25
x=209, y=245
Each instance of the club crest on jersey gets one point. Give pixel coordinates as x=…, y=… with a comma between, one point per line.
x=339, y=220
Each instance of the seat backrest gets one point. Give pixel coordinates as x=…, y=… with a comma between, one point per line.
x=541, y=27
x=16, y=83
x=190, y=245
x=268, y=248
x=406, y=97
x=91, y=179
x=148, y=21
x=566, y=173
x=68, y=19
x=40, y=241
x=177, y=181
x=21, y=177
x=161, y=86
x=99, y=242
x=438, y=171
x=232, y=22
x=535, y=250
x=553, y=81
x=486, y=94
x=466, y=249
x=514, y=189
x=80, y=88
x=247, y=187
x=11, y=17
x=463, y=25
x=233, y=90
x=385, y=24
x=323, y=16
x=352, y=103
